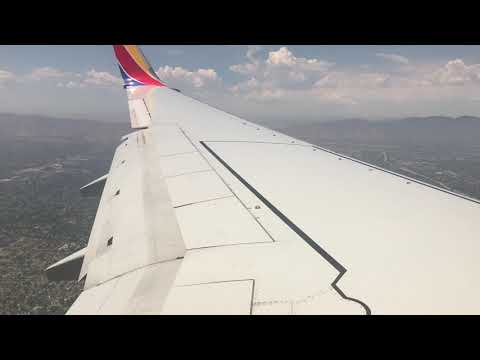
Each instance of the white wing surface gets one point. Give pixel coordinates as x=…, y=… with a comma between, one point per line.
x=206, y=213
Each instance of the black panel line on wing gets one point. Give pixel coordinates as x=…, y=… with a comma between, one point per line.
x=339, y=267
x=227, y=185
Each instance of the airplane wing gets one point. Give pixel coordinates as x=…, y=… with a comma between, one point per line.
x=203, y=212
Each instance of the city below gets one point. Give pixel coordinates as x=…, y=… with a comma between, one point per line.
x=45, y=161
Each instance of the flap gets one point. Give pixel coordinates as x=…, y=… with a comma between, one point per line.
x=94, y=188
x=67, y=268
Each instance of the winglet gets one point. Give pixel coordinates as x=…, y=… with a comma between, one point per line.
x=134, y=67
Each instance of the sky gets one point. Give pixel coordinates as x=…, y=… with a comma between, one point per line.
x=258, y=82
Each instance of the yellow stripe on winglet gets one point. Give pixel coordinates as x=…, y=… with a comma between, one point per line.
x=134, y=51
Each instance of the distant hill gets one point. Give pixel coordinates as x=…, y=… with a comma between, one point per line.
x=60, y=130
x=435, y=130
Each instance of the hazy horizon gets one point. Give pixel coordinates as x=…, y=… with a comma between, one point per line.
x=265, y=83
x=275, y=123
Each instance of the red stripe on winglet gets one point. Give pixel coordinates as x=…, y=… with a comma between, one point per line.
x=132, y=68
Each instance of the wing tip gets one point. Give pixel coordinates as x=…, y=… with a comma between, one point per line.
x=135, y=68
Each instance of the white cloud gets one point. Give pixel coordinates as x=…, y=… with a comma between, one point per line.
x=47, y=72
x=284, y=77
x=71, y=85
x=183, y=78
x=90, y=78
x=254, y=89
x=101, y=78
x=75, y=80
x=278, y=74
x=283, y=57
x=456, y=72
x=353, y=80
x=251, y=67
x=399, y=59
x=245, y=69
x=280, y=63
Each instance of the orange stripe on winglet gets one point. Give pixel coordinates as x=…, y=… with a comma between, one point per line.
x=138, y=57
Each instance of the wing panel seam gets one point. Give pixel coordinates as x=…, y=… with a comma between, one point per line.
x=330, y=259
x=227, y=185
